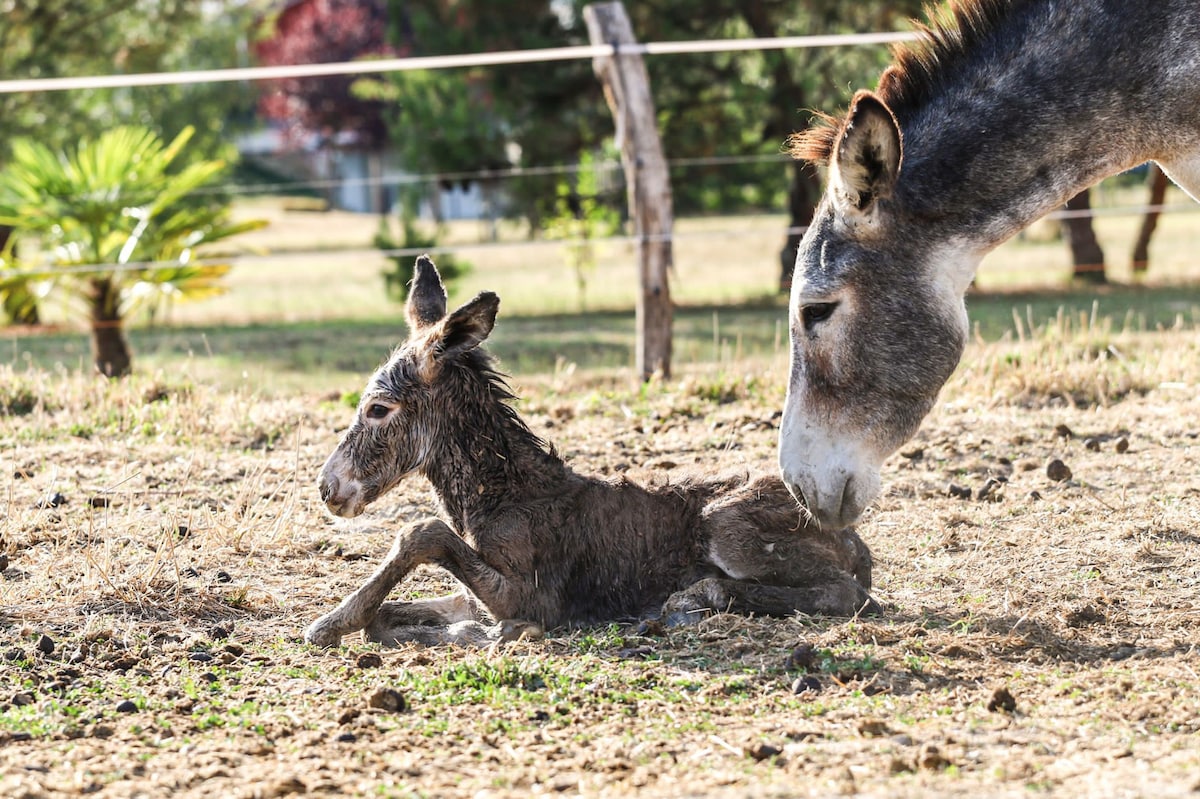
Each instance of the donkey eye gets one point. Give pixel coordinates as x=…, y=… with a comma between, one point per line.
x=377, y=411
x=812, y=315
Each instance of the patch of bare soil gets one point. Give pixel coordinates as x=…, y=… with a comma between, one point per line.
x=163, y=549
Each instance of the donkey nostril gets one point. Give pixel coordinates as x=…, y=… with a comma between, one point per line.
x=329, y=487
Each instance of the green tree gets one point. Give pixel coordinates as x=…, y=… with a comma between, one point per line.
x=68, y=38
x=581, y=217
x=95, y=213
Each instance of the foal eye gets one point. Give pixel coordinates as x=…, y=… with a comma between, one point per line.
x=377, y=411
x=814, y=314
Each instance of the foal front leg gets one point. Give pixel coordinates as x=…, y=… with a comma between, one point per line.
x=427, y=541
x=358, y=610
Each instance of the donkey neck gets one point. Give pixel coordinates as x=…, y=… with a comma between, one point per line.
x=487, y=456
x=1053, y=99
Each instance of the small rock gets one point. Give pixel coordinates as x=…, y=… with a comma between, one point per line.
x=219, y=632
x=52, y=500
x=349, y=715
x=1035, y=495
x=1122, y=445
x=45, y=644
x=346, y=738
x=127, y=706
x=284, y=787
x=1084, y=617
x=873, y=728
x=1092, y=443
x=224, y=577
x=183, y=531
x=899, y=766
x=1058, y=471
x=991, y=490
x=21, y=699
x=369, y=660
x=388, y=699
x=1001, y=701
x=931, y=758
x=763, y=751
x=99, y=502
x=200, y=657
x=102, y=731
x=801, y=658
x=3, y=562
x=805, y=684
x=16, y=653
x=960, y=492
x=1062, y=431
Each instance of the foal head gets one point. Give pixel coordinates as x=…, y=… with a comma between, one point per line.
x=408, y=402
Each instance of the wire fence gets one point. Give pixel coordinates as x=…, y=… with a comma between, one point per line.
x=495, y=175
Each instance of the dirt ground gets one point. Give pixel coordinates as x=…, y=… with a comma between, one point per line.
x=164, y=547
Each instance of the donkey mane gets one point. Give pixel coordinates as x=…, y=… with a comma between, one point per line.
x=948, y=40
x=481, y=363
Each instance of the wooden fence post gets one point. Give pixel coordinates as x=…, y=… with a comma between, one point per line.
x=627, y=89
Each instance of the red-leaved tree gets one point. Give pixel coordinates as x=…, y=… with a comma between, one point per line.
x=319, y=31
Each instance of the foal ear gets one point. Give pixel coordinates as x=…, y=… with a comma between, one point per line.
x=467, y=327
x=426, y=295
x=867, y=157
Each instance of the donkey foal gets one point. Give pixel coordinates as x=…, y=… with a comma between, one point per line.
x=537, y=545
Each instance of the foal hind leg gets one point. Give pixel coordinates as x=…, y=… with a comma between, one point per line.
x=840, y=595
x=391, y=628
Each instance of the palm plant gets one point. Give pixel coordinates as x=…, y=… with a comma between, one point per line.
x=114, y=228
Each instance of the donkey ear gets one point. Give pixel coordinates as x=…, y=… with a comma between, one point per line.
x=426, y=295
x=467, y=327
x=867, y=158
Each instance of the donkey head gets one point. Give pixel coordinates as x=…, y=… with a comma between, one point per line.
x=405, y=404
x=877, y=323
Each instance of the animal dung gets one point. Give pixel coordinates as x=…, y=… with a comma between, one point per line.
x=1058, y=471
x=1001, y=701
x=389, y=700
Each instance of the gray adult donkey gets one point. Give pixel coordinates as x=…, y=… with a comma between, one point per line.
x=1000, y=113
x=537, y=545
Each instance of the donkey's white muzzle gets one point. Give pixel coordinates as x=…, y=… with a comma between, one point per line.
x=835, y=483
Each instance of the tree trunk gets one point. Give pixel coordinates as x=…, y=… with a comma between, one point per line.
x=647, y=180
x=1085, y=250
x=1156, y=179
x=110, y=352
x=787, y=94
x=804, y=192
x=20, y=306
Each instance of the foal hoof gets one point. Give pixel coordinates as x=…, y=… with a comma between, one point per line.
x=869, y=608
x=322, y=634
x=518, y=629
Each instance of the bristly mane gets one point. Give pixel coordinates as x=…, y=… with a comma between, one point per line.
x=952, y=33
x=483, y=363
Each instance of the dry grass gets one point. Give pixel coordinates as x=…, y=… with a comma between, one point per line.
x=191, y=550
